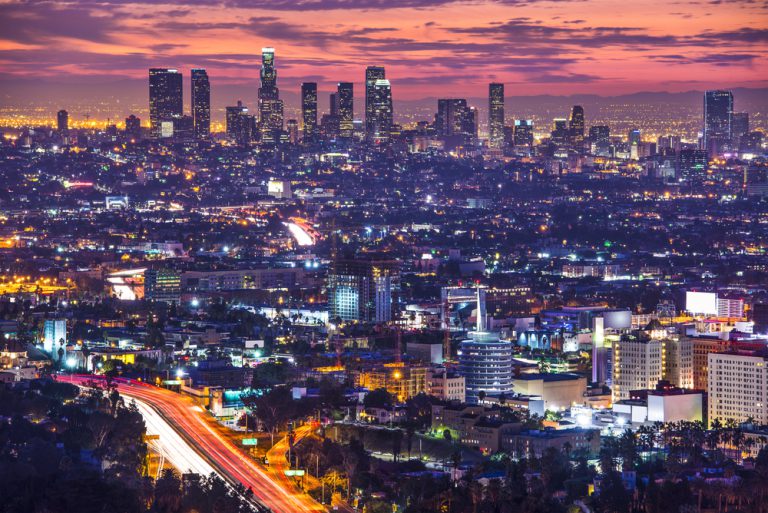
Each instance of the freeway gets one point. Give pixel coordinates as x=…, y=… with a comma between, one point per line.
x=204, y=436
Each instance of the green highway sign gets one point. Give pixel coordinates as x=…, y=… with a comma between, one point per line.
x=250, y=441
x=294, y=472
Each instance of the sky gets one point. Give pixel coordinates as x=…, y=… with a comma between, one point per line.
x=429, y=47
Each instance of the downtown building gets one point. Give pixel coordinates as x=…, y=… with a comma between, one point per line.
x=309, y=111
x=718, y=116
x=738, y=387
x=372, y=75
x=640, y=361
x=496, y=115
x=363, y=289
x=166, y=103
x=270, y=104
x=201, y=104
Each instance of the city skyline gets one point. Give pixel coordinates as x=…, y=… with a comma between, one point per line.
x=535, y=47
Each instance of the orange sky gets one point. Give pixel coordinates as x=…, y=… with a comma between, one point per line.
x=429, y=47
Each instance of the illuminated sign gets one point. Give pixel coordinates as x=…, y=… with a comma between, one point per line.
x=704, y=303
x=250, y=441
x=294, y=473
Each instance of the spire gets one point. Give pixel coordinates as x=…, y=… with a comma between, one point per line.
x=480, y=311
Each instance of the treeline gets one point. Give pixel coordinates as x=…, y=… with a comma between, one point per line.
x=63, y=451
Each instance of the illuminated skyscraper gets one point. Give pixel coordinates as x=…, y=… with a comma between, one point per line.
x=576, y=127
x=309, y=111
x=718, y=112
x=364, y=289
x=62, y=120
x=240, y=124
x=201, y=104
x=372, y=74
x=166, y=99
x=692, y=165
x=381, y=112
x=270, y=104
x=739, y=127
x=292, y=127
x=454, y=117
x=524, y=133
x=496, y=115
x=345, y=109
x=559, y=134
x=599, y=133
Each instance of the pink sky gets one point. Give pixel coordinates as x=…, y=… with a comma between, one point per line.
x=429, y=47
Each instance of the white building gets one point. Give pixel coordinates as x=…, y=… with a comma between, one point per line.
x=54, y=335
x=446, y=386
x=738, y=387
x=637, y=365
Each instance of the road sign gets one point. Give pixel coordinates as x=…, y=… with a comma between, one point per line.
x=250, y=441
x=294, y=472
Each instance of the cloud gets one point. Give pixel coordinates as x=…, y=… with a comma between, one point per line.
x=33, y=23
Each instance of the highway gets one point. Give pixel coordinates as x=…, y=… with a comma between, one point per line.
x=173, y=447
x=201, y=435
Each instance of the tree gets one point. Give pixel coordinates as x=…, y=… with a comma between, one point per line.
x=167, y=492
x=378, y=398
x=273, y=409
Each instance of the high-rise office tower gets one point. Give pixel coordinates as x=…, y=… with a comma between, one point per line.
x=523, y=135
x=309, y=111
x=559, y=134
x=691, y=165
x=454, y=117
x=372, y=74
x=133, y=127
x=201, y=103
x=292, y=127
x=634, y=137
x=381, y=112
x=270, y=104
x=345, y=109
x=166, y=99
x=739, y=128
x=718, y=112
x=62, y=120
x=239, y=124
x=496, y=115
x=599, y=133
x=363, y=289
x=576, y=127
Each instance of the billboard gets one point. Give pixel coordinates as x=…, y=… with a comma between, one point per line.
x=704, y=303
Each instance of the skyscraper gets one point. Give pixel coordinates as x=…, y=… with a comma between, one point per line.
x=62, y=120
x=363, y=289
x=270, y=104
x=739, y=128
x=292, y=127
x=576, y=127
x=454, y=117
x=523, y=133
x=345, y=109
x=559, y=134
x=372, y=74
x=201, y=104
x=381, y=112
x=165, y=98
x=239, y=124
x=496, y=115
x=309, y=110
x=718, y=112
